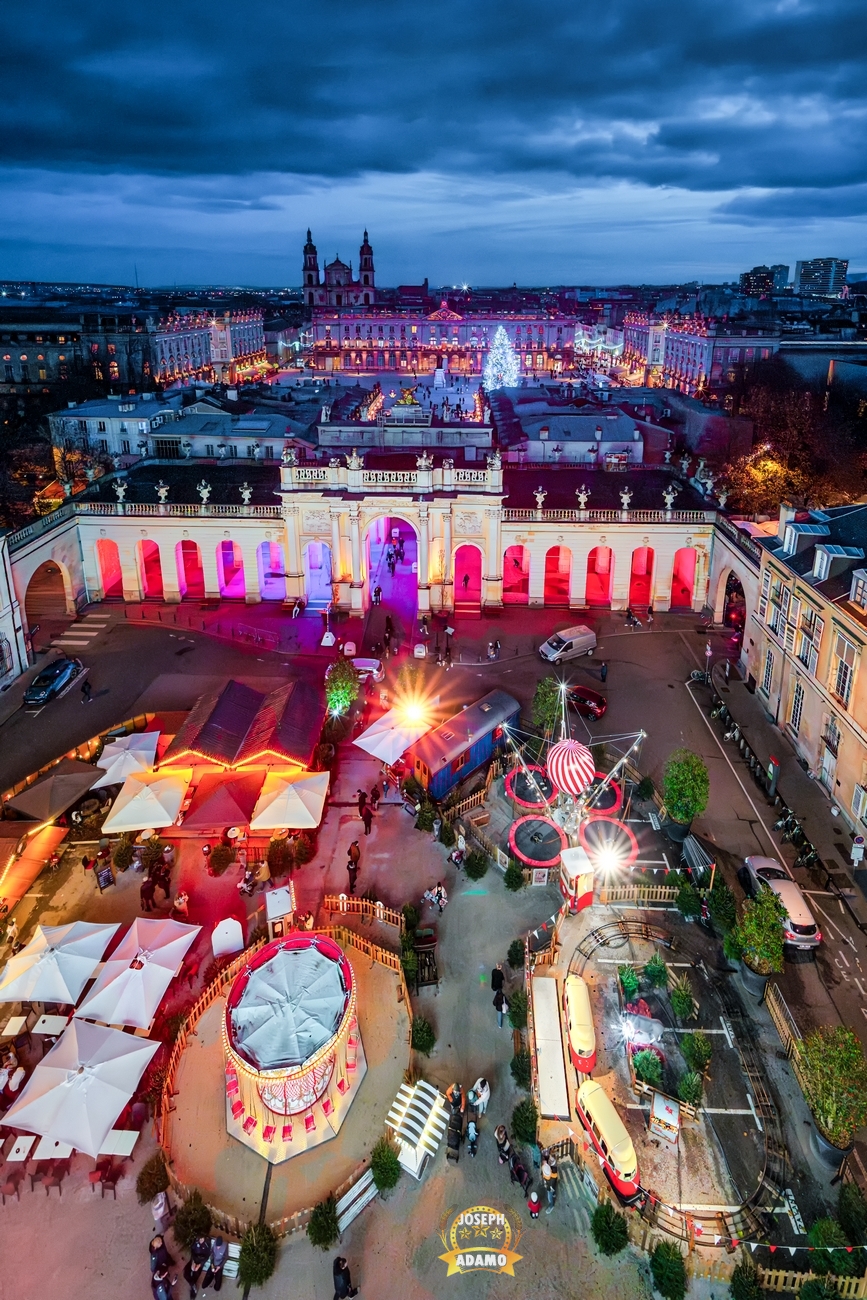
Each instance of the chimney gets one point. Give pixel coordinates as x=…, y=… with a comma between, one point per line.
x=787, y=514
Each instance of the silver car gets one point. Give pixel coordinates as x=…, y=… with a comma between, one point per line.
x=799, y=928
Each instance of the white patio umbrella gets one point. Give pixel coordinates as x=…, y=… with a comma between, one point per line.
x=56, y=963
x=79, y=1088
x=148, y=800
x=134, y=980
x=392, y=734
x=126, y=755
x=292, y=801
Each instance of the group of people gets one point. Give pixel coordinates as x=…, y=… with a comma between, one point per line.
x=368, y=805
x=494, y=649
x=477, y=1099
x=518, y=1172
x=394, y=554
x=437, y=897
x=206, y=1264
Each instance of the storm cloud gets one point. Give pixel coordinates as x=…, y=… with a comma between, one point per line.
x=221, y=132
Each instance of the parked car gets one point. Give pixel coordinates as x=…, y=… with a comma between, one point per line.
x=574, y=641
x=587, y=702
x=800, y=928
x=53, y=680
x=365, y=668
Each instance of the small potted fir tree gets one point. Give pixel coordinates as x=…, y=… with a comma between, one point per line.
x=833, y=1073
x=757, y=941
x=685, y=786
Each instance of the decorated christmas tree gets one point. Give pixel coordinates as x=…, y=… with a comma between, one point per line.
x=501, y=367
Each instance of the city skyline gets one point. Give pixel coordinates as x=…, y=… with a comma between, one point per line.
x=604, y=148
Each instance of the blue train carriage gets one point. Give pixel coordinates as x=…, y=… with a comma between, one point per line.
x=457, y=747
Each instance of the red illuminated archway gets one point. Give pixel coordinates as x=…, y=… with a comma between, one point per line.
x=641, y=578
x=600, y=575
x=516, y=576
x=558, y=569
x=151, y=570
x=108, y=559
x=683, y=578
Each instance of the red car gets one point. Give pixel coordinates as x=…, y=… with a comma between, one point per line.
x=587, y=702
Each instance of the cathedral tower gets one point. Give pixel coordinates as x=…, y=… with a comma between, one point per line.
x=310, y=275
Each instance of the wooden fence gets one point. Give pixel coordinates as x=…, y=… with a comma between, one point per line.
x=228, y=1223
x=781, y=1279
x=475, y=800
x=368, y=910
x=640, y=895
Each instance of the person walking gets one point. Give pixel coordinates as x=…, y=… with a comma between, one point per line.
x=502, y=1006
x=377, y=595
x=465, y=582
x=86, y=691
x=216, y=1264
x=352, y=872
x=498, y=979
x=504, y=1146
x=160, y=1257
x=342, y=1279
x=367, y=818
x=440, y=896
x=482, y=1089
x=550, y=1174
x=649, y=617
x=181, y=906
x=603, y=671
x=362, y=800
x=199, y=1255
x=146, y=893
x=375, y=796
x=497, y=648
x=354, y=854
x=534, y=1205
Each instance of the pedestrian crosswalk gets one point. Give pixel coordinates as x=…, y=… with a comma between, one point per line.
x=79, y=635
x=574, y=1202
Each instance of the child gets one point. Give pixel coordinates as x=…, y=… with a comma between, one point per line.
x=534, y=1205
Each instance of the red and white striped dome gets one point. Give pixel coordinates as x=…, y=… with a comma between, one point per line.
x=570, y=766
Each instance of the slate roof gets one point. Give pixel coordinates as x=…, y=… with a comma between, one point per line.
x=238, y=725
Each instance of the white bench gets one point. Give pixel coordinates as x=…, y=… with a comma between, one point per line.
x=358, y=1196
x=230, y=1268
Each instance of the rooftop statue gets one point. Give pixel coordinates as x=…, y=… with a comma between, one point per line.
x=407, y=396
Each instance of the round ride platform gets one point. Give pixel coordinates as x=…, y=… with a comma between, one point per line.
x=532, y=788
x=537, y=841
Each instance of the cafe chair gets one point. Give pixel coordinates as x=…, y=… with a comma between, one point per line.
x=111, y=1180
x=39, y=1171
x=96, y=1175
x=12, y=1185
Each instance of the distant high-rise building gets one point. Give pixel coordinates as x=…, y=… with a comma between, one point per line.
x=781, y=277
x=825, y=276
x=757, y=281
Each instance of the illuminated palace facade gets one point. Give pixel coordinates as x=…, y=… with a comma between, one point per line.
x=354, y=331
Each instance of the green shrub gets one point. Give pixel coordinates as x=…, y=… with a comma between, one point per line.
x=152, y=853
x=644, y=789
x=647, y=1067
x=656, y=972
x=222, y=857
x=408, y=959
x=258, y=1255
x=818, y=1288
x=425, y=819
x=518, y=1009
x=447, y=834
x=279, y=857
x=697, y=1050
x=834, y=1076
x=547, y=705
x=384, y=1164
x=123, y=853
x=476, y=864
x=682, y=998
x=690, y=1088
x=192, y=1220
x=256, y=934
x=411, y=917
x=304, y=848
x=423, y=1036
x=341, y=687
x=598, y=752
x=152, y=1178
x=732, y=946
x=609, y=1229
x=745, y=1281
x=513, y=877
x=515, y=955
x=525, y=1121
x=322, y=1225
x=828, y=1232
x=721, y=905
x=688, y=897
x=628, y=977
x=760, y=933
x=414, y=790
x=669, y=1272
x=685, y=786
x=852, y=1213
x=520, y=1067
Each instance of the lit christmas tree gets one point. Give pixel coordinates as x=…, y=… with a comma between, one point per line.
x=501, y=367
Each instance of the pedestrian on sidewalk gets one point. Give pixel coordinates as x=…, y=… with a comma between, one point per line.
x=504, y=1146
x=649, y=617
x=482, y=1090
x=440, y=897
x=465, y=582
x=550, y=1174
x=352, y=872
x=160, y=1257
x=501, y=1005
x=181, y=906
x=534, y=1205
x=199, y=1254
x=603, y=671
x=146, y=893
x=216, y=1263
x=354, y=853
x=362, y=800
x=375, y=796
x=377, y=595
x=86, y=691
x=498, y=979
x=367, y=818
x=497, y=648
x=342, y=1279
x=161, y=1283
x=296, y=609
x=384, y=784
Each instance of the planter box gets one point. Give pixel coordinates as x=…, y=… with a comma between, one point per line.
x=829, y=1155
x=753, y=982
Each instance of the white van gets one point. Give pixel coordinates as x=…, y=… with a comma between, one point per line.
x=570, y=644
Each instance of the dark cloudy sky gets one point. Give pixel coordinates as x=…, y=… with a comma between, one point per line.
x=478, y=140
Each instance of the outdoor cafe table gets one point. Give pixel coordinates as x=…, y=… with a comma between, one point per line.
x=17, y=1025
x=21, y=1147
x=49, y=1148
x=119, y=1142
x=49, y=1025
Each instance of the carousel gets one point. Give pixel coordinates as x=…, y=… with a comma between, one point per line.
x=293, y=1053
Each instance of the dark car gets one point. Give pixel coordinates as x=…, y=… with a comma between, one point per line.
x=587, y=702
x=53, y=679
